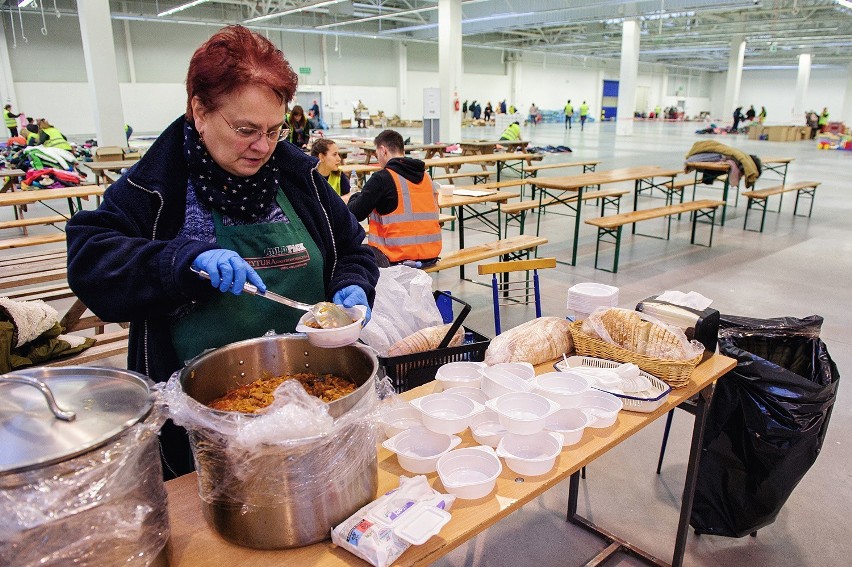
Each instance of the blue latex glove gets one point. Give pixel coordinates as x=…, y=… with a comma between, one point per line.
x=228, y=271
x=353, y=295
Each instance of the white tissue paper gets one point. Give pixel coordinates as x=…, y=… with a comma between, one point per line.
x=693, y=299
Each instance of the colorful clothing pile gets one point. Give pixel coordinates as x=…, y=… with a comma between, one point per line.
x=50, y=178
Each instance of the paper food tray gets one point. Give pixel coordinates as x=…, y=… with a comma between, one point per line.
x=644, y=402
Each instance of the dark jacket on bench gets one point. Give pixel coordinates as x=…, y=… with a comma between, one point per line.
x=126, y=263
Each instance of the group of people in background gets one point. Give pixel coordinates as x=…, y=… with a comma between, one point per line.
x=34, y=133
x=749, y=116
x=569, y=114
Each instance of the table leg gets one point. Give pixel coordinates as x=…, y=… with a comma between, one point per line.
x=725, y=198
x=461, y=237
x=577, y=226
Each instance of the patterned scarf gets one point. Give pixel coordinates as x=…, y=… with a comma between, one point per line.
x=244, y=198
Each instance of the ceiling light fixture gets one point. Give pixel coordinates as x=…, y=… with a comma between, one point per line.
x=845, y=3
x=180, y=8
x=25, y=3
x=292, y=11
x=378, y=17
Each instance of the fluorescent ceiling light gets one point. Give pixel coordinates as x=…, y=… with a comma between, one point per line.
x=378, y=17
x=25, y=3
x=292, y=11
x=468, y=21
x=845, y=3
x=180, y=8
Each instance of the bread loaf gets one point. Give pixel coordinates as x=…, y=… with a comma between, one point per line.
x=536, y=341
x=425, y=339
x=627, y=330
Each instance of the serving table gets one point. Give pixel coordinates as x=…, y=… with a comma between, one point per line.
x=194, y=543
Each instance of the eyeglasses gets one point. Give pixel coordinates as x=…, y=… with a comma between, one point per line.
x=253, y=134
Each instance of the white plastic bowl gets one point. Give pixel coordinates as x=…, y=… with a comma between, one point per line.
x=570, y=423
x=564, y=388
x=456, y=374
x=530, y=455
x=399, y=418
x=446, y=413
x=419, y=449
x=333, y=338
x=469, y=473
x=523, y=413
x=496, y=382
x=523, y=370
x=474, y=394
x=603, y=406
x=486, y=428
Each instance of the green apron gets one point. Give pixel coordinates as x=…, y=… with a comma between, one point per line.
x=289, y=262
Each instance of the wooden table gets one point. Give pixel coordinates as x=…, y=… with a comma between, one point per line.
x=193, y=543
x=464, y=204
x=553, y=187
x=431, y=150
x=777, y=165
x=22, y=198
x=13, y=177
x=699, y=167
x=478, y=147
x=99, y=167
x=501, y=159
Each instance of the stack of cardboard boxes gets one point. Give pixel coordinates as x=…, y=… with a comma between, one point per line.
x=779, y=133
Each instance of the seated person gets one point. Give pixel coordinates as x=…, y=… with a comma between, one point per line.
x=51, y=137
x=325, y=151
x=512, y=133
x=402, y=205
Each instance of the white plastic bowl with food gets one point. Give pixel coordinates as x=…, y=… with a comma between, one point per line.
x=530, y=455
x=419, y=449
x=457, y=374
x=446, y=413
x=336, y=336
x=469, y=473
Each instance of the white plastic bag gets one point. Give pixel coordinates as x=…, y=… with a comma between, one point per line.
x=404, y=304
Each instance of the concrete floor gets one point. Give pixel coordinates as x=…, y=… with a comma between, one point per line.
x=796, y=267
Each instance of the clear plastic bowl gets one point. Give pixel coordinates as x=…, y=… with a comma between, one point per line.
x=530, y=455
x=399, y=418
x=446, y=413
x=333, y=338
x=571, y=423
x=496, y=382
x=486, y=428
x=603, y=406
x=456, y=374
x=564, y=388
x=419, y=449
x=523, y=413
x=469, y=473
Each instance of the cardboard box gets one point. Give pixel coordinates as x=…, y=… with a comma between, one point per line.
x=755, y=131
x=109, y=153
x=131, y=153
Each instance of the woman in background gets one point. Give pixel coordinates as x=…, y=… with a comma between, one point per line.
x=300, y=129
x=325, y=151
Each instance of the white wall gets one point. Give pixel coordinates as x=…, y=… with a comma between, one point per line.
x=775, y=90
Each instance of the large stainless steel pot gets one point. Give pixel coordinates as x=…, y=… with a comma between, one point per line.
x=80, y=474
x=291, y=494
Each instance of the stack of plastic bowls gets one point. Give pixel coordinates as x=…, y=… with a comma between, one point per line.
x=583, y=298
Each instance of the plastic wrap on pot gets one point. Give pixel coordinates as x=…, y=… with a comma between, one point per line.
x=104, y=507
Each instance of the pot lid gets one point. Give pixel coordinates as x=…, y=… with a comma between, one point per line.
x=94, y=406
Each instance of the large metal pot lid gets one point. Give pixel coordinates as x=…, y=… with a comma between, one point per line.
x=104, y=403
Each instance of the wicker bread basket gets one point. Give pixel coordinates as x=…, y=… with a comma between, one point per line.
x=675, y=373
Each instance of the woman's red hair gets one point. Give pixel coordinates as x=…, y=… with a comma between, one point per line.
x=233, y=58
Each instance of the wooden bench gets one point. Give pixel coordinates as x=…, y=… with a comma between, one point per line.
x=34, y=221
x=31, y=240
x=759, y=199
x=508, y=248
x=478, y=176
x=611, y=226
x=587, y=166
x=516, y=212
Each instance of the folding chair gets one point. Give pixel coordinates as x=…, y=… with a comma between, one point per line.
x=524, y=291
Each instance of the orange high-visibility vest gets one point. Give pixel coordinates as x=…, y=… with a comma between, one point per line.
x=411, y=231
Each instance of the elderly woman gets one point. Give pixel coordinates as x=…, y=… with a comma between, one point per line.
x=326, y=152
x=218, y=191
x=300, y=129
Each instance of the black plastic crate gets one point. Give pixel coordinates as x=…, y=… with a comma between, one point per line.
x=411, y=370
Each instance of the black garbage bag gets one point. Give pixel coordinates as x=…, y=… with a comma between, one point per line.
x=766, y=424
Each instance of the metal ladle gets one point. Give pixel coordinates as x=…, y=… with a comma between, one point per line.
x=328, y=315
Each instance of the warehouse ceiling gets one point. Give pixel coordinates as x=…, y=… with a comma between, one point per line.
x=696, y=34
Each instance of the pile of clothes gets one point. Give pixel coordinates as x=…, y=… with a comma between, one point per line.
x=742, y=164
x=548, y=149
x=50, y=178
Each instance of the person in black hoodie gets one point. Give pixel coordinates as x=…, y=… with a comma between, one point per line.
x=219, y=191
x=381, y=194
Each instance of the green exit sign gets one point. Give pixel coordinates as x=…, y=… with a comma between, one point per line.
x=304, y=70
